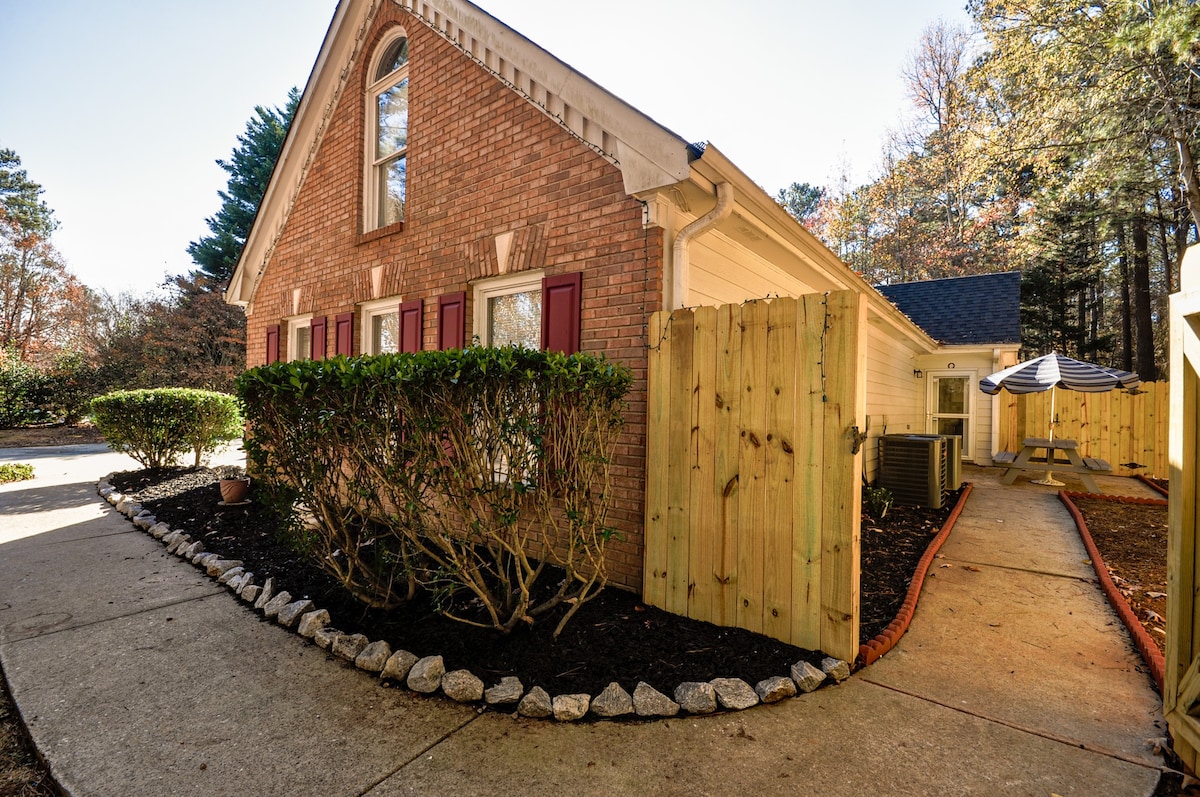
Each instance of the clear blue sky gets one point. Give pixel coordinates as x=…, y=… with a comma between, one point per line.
x=119, y=109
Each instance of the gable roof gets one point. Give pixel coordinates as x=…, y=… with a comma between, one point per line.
x=648, y=154
x=985, y=308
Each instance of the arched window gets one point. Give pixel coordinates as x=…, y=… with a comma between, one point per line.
x=387, y=134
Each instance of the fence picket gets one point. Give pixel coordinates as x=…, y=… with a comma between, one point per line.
x=679, y=416
x=728, y=444
x=705, y=533
x=752, y=467
x=780, y=459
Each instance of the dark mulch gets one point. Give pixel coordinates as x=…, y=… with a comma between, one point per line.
x=612, y=638
x=891, y=548
x=22, y=773
x=1132, y=539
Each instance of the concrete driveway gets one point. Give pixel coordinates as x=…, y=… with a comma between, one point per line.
x=136, y=675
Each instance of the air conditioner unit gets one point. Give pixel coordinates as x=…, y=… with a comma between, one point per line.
x=954, y=478
x=913, y=468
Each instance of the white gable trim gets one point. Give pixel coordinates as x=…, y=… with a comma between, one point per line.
x=649, y=155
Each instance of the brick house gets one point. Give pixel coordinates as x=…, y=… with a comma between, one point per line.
x=445, y=179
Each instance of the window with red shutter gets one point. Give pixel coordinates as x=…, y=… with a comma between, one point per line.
x=560, y=312
x=272, y=343
x=317, y=331
x=344, y=334
x=452, y=320
x=411, y=324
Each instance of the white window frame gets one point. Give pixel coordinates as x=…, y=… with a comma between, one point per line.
x=372, y=166
x=501, y=286
x=294, y=325
x=367, y=313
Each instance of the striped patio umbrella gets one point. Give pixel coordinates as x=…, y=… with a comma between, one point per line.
x=1054, y=370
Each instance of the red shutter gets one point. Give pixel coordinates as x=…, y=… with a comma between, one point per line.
x=344, y=333
x=272, y=343
x=560, y=312
x=452, y=320
x=317, y=336
x=411, y=325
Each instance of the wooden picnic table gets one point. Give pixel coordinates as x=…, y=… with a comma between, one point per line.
x=1027, y=459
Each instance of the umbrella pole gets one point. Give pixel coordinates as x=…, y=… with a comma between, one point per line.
x=1050, y=481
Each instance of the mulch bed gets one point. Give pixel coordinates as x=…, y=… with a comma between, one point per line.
x=614, y=637
x=891, y=548
x=1132, y=540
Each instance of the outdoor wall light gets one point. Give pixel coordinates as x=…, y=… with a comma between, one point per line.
x=918, y=373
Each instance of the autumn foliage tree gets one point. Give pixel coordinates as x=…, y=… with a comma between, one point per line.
x=185, y=336
x=43, y=307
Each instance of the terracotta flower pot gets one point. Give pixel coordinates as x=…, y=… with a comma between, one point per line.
x=235, y=491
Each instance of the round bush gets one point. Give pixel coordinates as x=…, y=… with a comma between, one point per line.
x=158, y=426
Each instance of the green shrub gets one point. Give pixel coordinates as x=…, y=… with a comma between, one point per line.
x=15, y=472
x=157, y=426
x=58, y=392
x=72, y=383
x=24, y=391
x=878, y=501
x=465, y=472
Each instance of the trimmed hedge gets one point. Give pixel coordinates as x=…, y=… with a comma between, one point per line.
x=158, y=426
x=462, y=472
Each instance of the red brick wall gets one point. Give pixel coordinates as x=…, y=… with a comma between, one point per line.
x=481, y=161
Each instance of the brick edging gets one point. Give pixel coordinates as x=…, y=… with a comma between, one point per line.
x=1141, y=638
x=870, y=651
x=1151, y=484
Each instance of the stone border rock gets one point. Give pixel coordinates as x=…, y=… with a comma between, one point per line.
x=428, y=675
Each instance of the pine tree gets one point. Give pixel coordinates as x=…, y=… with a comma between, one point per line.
x=249, y=169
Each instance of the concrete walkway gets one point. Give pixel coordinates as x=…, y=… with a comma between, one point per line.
x=138, y=676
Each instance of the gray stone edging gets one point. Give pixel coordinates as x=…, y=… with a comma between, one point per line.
x=428, y=675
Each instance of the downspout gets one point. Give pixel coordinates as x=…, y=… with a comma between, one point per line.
x=679, y=250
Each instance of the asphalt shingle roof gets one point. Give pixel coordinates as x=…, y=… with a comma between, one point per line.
x=985, y=308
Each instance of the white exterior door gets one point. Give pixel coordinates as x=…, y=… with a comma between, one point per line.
x=951, y=401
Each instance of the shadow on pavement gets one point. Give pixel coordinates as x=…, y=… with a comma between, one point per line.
x=48, y=498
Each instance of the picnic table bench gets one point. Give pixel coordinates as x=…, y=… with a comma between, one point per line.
x=1027, y=459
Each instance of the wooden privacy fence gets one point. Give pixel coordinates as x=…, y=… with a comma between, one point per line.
x=753, y=462
x=1117, y=426
x=1181, y=682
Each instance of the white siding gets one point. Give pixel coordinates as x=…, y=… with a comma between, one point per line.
x=895, y=398
x=722, y=272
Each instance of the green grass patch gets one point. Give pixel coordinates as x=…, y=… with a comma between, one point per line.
x=15, y=472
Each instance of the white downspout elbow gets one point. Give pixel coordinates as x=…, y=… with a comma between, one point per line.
x=679, y=250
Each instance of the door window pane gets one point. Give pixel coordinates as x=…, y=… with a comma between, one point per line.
x=951, y=426
x=952, y=394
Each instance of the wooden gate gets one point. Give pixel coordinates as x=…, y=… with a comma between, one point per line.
x=753, y=467
x=1181, y=688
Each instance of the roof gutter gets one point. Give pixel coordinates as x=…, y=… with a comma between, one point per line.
x=683, y=239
